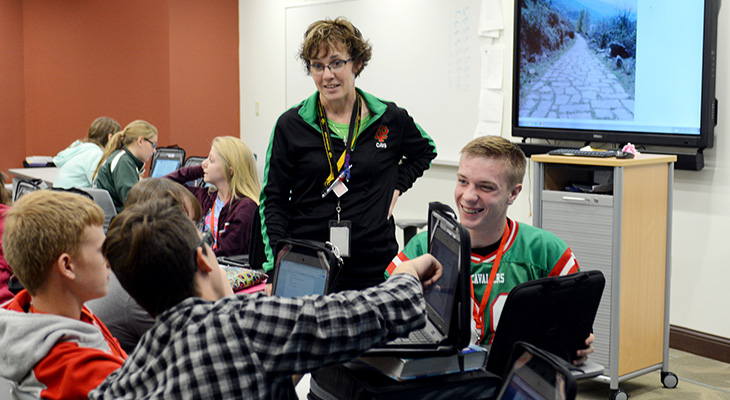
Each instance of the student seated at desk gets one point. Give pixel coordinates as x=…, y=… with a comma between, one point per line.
x=77, y=163
x=126, y=320
x=51, y=345
x=123, y=160
x=229, y=204
x=208, y=343
x=505, y=252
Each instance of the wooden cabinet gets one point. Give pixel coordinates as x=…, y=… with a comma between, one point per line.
x=622, y=227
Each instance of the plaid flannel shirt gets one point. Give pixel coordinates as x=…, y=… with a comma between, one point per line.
x=248, y=346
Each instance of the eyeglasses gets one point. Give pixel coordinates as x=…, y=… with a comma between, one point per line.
x=333, y=66
x=154, y=144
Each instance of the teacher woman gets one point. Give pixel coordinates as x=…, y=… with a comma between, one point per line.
x=338, y=160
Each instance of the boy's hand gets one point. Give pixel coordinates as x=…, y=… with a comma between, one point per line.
x=426, y=268
x=583, y=354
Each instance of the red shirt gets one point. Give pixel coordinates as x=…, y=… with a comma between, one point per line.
x=70, y=370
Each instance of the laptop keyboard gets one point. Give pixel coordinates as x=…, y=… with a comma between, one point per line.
x=417, y=336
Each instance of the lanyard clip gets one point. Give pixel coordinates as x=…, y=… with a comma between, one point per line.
x=344, y=175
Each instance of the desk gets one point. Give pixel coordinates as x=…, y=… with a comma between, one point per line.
x=47, y=174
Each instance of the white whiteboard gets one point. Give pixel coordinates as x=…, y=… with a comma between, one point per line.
x=425, y=59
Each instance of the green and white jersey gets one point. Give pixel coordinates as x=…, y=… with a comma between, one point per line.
x=529, y=253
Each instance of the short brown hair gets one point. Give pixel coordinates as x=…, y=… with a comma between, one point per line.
x=43, y=225
x=163, y=188
x=502, y=149
x=329, y=34
x=149, y=243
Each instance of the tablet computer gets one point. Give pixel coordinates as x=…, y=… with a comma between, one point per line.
x=554, y=313
x=534, y=374
x=299, y=273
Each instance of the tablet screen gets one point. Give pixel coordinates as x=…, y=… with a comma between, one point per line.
x=296, y=279
x=163, y=167
x=440, y=296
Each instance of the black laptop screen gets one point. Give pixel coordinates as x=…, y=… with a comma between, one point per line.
x=440, y=296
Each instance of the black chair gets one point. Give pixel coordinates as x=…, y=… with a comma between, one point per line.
x=410, y=228
x=166, y=160
x=194, y=160
x=256, y=251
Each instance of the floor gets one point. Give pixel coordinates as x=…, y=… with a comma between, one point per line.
x=699, y=378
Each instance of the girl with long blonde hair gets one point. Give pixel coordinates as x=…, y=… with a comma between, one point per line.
x=231, y=199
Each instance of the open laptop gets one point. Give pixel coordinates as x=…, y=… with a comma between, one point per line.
x=534, y=374
x=555, y=314
x=447, y=301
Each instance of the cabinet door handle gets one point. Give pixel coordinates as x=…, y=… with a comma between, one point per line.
x=570, y=198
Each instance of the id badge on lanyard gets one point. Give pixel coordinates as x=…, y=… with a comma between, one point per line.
x=339, y=229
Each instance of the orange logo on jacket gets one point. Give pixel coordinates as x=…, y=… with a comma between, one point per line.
x=381, y=135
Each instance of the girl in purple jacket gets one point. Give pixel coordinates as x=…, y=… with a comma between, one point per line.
x=231, y=200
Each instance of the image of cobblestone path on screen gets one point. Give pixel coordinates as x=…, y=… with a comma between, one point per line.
x=578, y=86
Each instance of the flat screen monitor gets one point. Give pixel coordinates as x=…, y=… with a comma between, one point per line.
x=616, y=71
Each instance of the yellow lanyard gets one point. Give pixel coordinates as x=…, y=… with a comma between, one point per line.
x=343, y=163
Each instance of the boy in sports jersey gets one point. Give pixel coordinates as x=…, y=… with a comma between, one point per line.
x=504, y=252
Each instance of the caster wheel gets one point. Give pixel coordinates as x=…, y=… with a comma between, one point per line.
x=669, y=380
x=619, y=394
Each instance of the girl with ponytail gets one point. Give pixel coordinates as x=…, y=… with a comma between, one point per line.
x=124, y=158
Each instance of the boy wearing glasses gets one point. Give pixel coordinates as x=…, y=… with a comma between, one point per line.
x=51, y=345
x=207, y=343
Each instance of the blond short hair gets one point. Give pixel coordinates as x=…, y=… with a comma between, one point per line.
x=43, y=225
x=499, y=148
